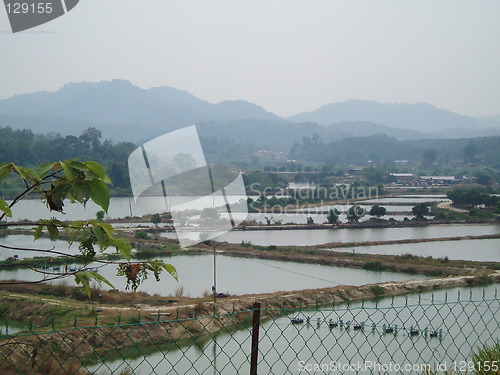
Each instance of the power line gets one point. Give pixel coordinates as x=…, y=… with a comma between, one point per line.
x=294, y=272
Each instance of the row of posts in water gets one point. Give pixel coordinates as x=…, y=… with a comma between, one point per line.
x=413, y=331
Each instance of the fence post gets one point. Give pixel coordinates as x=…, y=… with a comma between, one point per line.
x=255, y=338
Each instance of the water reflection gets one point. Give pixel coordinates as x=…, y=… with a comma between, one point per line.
x=476, y=250
x=309, y=237
x=235, y=276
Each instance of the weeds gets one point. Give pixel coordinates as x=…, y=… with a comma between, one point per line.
x=377, y=290
x=374, y=266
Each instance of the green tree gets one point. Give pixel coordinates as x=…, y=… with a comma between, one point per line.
x=378, y=211
x=76, y=181
x=472, y=197
x=470, y=151
x=99, y=215
x=375, y=175
x=429, y=155
x=141, y=234
x=92, y=138
x=156, y=219
x=355, y=213
x=485, y=177
x=333, y=216
x=118, y=172
x=420, y=210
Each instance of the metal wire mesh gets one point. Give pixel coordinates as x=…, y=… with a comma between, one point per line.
x=411, y=334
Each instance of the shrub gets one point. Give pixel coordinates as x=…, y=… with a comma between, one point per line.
x=377, y=290
x=143, y=235
x=486, y=355
x=374, y=266
x=480, y=279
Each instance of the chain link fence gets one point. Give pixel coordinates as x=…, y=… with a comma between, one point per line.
x=409, y=335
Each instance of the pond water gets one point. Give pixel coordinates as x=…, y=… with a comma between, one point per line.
x=27, y=241
x=235, y=276
x=309, y=237
x=344, y=208
x=462, y=326
x=119, y=207
x=478, y=250
x=10, y=327
x=407, y=199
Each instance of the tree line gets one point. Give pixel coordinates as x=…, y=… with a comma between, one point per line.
x=473, y=197
x=23, y=147
x=380, y=148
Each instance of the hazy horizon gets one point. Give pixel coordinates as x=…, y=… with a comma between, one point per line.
x=287, y=56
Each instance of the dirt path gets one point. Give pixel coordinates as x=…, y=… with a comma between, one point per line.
x=448, y=206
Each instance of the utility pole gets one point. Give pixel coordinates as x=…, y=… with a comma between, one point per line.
x=214, y=287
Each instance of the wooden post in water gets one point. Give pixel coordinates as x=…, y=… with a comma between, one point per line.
x=254, y=354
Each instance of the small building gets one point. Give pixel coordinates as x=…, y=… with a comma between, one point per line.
x=402, y=178
x=438, y=180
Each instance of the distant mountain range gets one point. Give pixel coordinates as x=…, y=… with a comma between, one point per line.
x=124, y=111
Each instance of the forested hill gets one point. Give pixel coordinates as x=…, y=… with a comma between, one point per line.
x=125, y=112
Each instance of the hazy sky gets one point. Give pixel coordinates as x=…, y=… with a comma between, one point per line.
x=288, y=56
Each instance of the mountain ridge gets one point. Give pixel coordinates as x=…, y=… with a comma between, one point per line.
x=419, y=116
x=124, y=111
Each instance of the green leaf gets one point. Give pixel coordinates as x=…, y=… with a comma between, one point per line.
x=45, y=168
x=5, y=170
x=53, y=231
x=73, y=163
x=81, y=192
x=5, y=208
x=23, y=172
x=102, y=237
x=124, y=247
x=99, y=278
x=171, y=270
x=67, y=172
x=56, y=195
x=86, y=247
x=83, y=278
x=37, y=232
x=100, y=194
x=98, y=170
x=108, y=228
